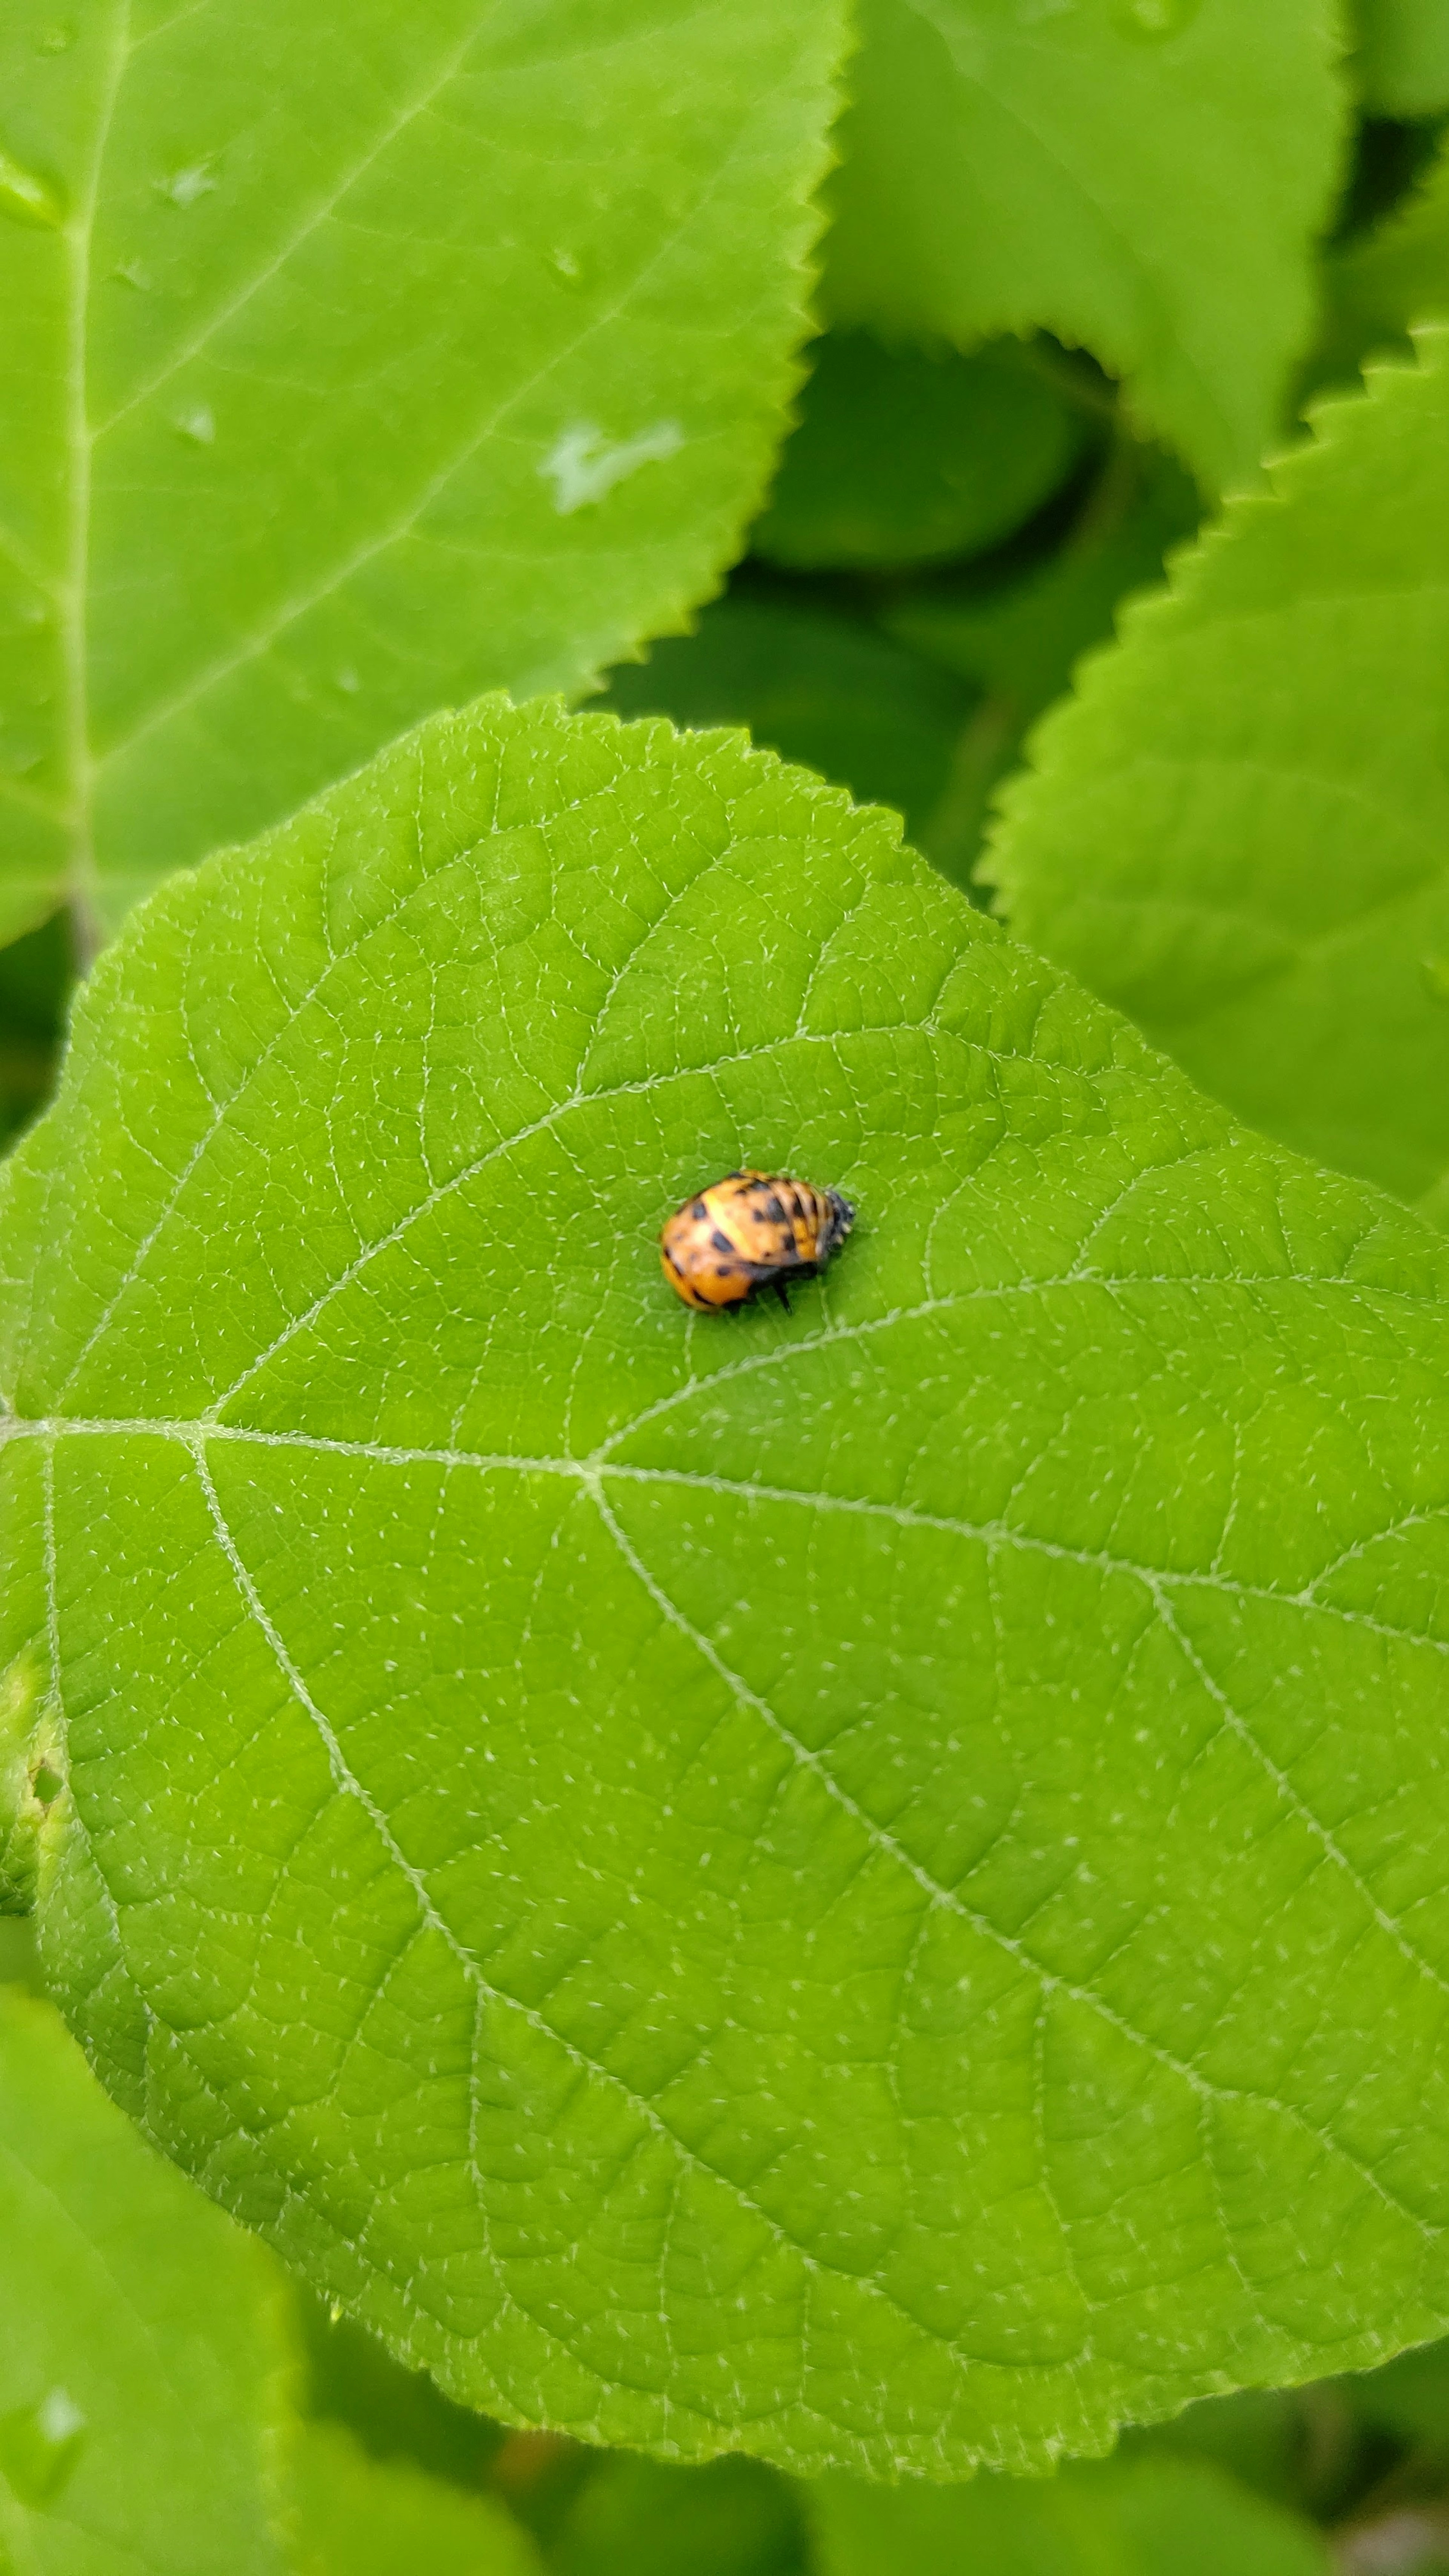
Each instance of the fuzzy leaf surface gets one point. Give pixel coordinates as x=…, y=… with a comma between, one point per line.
x=865, y=1884
x=145, y=2355
x=1142, y=177
x=359, y=358
x=1237, y=831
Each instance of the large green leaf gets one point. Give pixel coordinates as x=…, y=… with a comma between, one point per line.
x=359, y=357
x=1146, y=2518
x=865, y=1884
x=1239, y=830
x=1144, y=177
x=144, y=2355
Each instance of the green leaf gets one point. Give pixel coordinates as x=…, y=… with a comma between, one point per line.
x=1378, y=286
x=1149, y=2518
x=1017, y=633
x=144, y=2355
x=902, y=457
x=362, y=2517
x=733, y=2518
x=1238, y=830
x=359, y=358
x=819, y=688
x=1144, y=177
x=36, y=975
x=864, y=1884
x=1022, y=635
x=1401, y=65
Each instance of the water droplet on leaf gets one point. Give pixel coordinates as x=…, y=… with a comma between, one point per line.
x=131, y=273
x=185, y=186
x=198, y=424
x=27, y=198
x=582, y=466
x=40, y=2445
x=1153, y=18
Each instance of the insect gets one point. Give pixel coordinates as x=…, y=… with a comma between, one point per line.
x=752, y=1230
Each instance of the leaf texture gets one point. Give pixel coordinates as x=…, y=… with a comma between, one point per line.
x=1142, y=177
x=864, y=1885
x=359, y=358
x=1237, y=831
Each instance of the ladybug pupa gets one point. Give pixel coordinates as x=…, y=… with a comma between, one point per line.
x=748, y=1232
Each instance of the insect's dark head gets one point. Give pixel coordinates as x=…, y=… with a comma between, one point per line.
x=842, y=1218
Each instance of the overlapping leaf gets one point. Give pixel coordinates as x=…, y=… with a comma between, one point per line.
x=1144, y=177
x=360, y=2517
x=144, y=2363
x=1401, y=62
x=1377, y=286
x=865, y=1884
x=1238, y=831
x=903, y=457
x=1143, y=2518
x=358, y=358
x=820, y=688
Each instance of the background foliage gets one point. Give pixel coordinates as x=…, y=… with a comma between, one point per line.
x=859, y=1891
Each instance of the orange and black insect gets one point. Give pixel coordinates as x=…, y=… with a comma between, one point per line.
x=752, y=1230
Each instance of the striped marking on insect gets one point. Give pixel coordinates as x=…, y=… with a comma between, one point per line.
x=749, y=1232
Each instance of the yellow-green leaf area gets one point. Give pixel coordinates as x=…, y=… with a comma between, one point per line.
x=1237, y=829
x=1142, y=177
x=361, y=357
x=145, y=2364
x=862, y=1884
x=1116, y=2518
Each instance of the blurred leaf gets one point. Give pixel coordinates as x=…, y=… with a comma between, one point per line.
x=1142, y=177
x=1401, y=62
x=145, y=2353
x=36, y=975
x=1018, y=638
x=733, y=2518
x=1377, y=286
x=902, y=456
x=1256, y=2436
x=1409, y=2395
x=392, y=2410
x=1238, y=831
x=1022, y=637
x=868, y=1882
x=357, y=2517
x=359, y=357
x=818, y=688
x=1149, y=2518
